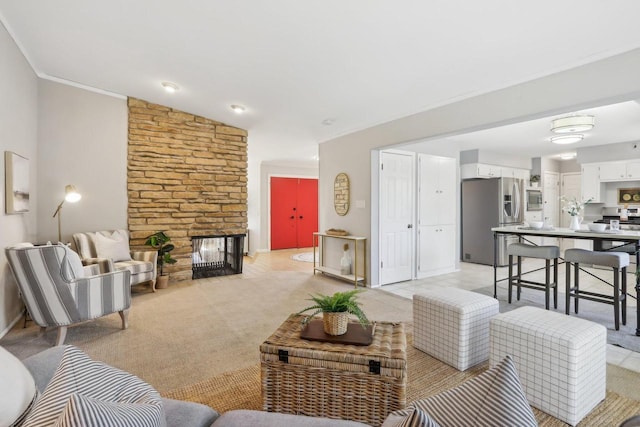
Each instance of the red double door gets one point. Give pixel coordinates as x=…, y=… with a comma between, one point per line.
x=294, y=212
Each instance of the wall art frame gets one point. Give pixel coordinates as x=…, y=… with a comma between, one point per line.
x=16, y=178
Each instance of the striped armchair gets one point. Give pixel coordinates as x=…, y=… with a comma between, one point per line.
x=56, y=292
x=93, y=248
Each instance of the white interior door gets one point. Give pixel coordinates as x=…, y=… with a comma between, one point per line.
x=396, y=216
x=551, y=202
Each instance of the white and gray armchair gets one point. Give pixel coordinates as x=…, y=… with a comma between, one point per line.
x=52, y=282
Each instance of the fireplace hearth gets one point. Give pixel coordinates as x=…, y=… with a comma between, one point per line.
x=217, y=255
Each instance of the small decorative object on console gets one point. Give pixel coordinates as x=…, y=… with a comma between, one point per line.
x=336, y=232
x=345, y=261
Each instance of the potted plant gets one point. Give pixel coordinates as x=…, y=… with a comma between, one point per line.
x=335, y=311
x=534, y=180
x=160, y=241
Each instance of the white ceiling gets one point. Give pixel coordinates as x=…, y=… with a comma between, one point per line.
x=295, y=63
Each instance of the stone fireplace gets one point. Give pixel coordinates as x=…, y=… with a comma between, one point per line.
x=186, y=176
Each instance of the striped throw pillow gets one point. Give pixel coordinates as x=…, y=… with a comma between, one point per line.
x=85, y=388
x=418, y=418
x=493, y=398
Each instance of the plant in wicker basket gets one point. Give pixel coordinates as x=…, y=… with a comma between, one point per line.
x=335, y=310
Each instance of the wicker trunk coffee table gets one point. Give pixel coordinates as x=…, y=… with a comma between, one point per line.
x=359, y=383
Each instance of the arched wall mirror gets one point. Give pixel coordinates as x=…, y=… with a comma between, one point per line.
x=341, y=194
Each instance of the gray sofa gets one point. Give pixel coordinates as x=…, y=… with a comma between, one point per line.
x=178, y=413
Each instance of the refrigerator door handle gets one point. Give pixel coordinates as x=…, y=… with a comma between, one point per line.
x=516, y=197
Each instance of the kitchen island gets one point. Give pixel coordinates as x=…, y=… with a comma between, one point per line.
x=625, y=237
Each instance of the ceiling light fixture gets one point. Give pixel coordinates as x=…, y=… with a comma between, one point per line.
x=238, y=108
x=328, y=122
x=573, y=124
x=170, y=87
x=567, y=139
x=568, y=156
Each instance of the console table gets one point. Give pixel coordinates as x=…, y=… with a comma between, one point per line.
x=359, y=261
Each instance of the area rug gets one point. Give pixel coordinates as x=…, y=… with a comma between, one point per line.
x=304, y=257
x=596, y=312
x=426, y=376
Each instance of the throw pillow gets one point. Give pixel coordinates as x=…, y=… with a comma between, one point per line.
x=78, y=375
x=493, y=398
x=82, y=411
x=418, y=418
x=115, y=246
x=17, y=388
x=72, y=268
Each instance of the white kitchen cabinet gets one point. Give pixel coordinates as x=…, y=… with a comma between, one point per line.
x=612, y=171
x=481, y=170
x=633, y=169
x=488, y=171
x=437, y=190
x=591, y=182
x=437, y=247
x=436, y=215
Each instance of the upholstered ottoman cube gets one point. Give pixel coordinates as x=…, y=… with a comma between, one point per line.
x=452, y=325
x=562, y=360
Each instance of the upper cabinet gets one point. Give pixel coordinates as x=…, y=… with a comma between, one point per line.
x=437, y=177
x=481, y=170
x=591, y=182
x=619, y=171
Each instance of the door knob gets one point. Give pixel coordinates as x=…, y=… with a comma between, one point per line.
x=301, y=217
x=409, y=225
x=292, y=217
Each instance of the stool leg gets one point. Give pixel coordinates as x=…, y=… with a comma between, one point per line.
x=510, y=276
x=567, y=288
x=616, y=298
x=519, y=276
x=576, y=296
x=547, y=284
x=555, y=283
x=624, y=295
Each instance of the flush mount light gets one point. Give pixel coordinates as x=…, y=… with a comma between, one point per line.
x=238, y=108
x=567, y=139
x=567, y=156
x=328, y=122
x=573, y=124
x=170, y=87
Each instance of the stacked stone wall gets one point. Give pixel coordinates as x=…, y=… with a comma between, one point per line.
x=187, y=176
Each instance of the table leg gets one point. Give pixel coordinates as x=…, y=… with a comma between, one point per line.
x=495, y=266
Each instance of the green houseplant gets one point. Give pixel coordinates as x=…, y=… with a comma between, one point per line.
x=534, y=180
x=159, y=241
x=335, y=311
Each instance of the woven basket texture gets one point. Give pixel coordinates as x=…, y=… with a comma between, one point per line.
x=335, y=380
x=335, y=323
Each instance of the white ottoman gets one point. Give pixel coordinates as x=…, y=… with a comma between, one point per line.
x=561, y=360
x=452, y=325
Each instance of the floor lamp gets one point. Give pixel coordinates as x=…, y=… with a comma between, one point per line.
x=71, y=195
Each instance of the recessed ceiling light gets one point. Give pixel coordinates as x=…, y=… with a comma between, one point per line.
x=572, y=124
x=328, y=122
x=567, y=139
x=238, y=108
x=567, y=156
x=170, y=87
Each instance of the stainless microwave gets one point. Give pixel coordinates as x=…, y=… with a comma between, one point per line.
x=534, y=200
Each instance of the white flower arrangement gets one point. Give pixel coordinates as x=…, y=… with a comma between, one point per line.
x=573, y=206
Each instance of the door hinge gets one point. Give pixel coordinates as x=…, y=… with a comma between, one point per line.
x=381, y=264
x=381, y=166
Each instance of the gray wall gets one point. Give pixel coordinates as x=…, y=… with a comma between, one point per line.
x=82, y=140
x=603, y=82
x=611, y=152
x=18, y=133
x=494, y=158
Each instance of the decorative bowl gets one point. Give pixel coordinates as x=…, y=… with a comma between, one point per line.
x=597, y=227
x=536, y=224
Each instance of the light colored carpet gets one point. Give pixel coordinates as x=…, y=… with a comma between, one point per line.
x=199, y=329
x=426, y=376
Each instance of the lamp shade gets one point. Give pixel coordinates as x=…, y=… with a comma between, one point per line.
x=567, y=139
x=71, y=195
x=572, y=124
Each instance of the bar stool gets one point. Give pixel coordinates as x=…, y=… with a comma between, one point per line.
x=618, y=261
x=548, y=253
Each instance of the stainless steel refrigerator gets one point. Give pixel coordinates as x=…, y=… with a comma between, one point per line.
x=488, y=203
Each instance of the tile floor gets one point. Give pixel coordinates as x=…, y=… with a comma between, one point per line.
x=474, y=276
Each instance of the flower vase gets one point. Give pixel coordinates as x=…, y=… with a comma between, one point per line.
x=345, y=263
x=575, y=223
